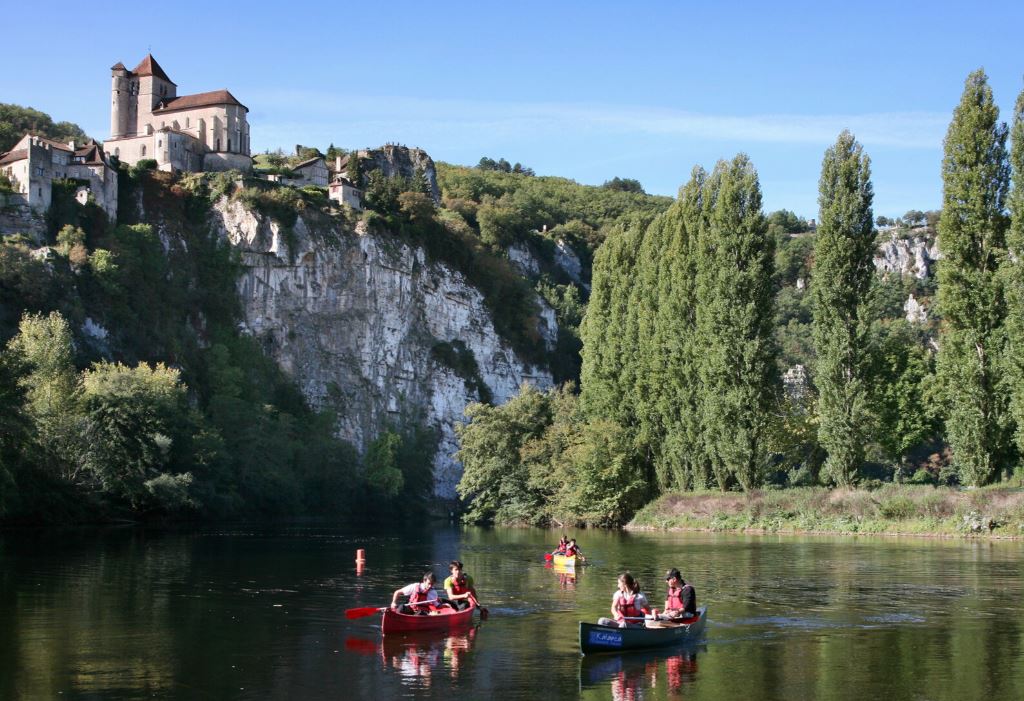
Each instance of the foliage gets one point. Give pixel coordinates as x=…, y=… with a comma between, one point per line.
x=735, y=303
x=1013, y=277
x=133, y=416
x=972, y=239
x=843, y=251
x=15, y=121
x=538, y=460
x=623, y=185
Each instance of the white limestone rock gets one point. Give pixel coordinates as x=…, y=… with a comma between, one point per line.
x=907, y=256
x=353, y=318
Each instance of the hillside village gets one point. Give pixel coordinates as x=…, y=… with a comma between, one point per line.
x=152, y=126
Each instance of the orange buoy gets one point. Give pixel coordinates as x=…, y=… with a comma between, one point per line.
x=360, y=555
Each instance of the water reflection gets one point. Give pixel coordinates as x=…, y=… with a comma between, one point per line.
x=630, y=675
x=418, y=658
x=566, y=575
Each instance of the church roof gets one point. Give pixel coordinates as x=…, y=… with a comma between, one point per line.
x=203, y=99
x=12, y=156
x=149, y=66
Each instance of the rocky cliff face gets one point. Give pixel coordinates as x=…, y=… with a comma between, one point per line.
x=907, y=256
x=401, y=161
x=354, y=317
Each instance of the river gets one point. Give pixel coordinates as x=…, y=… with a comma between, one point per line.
x=257, y=613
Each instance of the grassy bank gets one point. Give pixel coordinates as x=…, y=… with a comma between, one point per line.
x=891, y=509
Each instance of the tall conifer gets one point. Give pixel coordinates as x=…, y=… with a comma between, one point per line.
x=1014, y=275
x=735, y=305
x=972, y=233
x=843, y=251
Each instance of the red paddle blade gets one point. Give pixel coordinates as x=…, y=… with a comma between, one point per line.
x=362, y=612
x=549, y=556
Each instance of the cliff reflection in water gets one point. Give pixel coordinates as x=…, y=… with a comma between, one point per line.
x=630, y=674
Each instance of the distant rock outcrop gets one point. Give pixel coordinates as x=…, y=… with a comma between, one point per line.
x=401, y=161
x=915, y=255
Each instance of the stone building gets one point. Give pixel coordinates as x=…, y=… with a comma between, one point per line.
x=149, y=120
x=312, y=171
x=34, y=163
x=344, y=191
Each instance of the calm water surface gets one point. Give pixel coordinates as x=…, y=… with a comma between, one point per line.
x=237, y=613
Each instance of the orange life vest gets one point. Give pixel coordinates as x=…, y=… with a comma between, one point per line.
x=420, y=594
x=460, y=585
x=674, y=598
x=626, y=607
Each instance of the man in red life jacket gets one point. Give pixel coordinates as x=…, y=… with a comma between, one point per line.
x=459, y=587
x=680, y=598
x=572, y=549
x=421, y=595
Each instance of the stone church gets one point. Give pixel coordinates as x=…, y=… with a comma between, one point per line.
x=149, y=120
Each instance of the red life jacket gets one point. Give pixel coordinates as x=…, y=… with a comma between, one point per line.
x=419, y=595
x=674, y=598
x=626, y=607
x=460, y=585
x=570, y=550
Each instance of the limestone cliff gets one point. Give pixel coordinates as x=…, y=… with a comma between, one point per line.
x=355, y=319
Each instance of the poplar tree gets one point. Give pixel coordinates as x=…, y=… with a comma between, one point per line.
x=843, y=268
x=972, y=231
x=735, y=306
x=675, y=366
x=1014, y=276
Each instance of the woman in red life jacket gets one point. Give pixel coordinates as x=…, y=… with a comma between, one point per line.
x=562, y=544
x=680, y=598
x=459, y=587
x=629, y=605
x=421, y=595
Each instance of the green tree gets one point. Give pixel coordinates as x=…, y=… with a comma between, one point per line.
x=15, y=121
x=495, y=483
x=382, y=470
x=972, y=233
x=843, y=252
x=1013, y=274
x=134, y=415
x=735, y=308
x=44, y=347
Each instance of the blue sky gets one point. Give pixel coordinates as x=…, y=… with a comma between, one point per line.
x=586, y=90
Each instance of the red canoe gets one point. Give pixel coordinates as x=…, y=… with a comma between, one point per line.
x=445, y=619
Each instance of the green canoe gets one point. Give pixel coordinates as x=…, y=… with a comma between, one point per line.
x=597, y=638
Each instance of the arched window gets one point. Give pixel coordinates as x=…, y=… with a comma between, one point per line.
x=117, y=152
x=217, y=146
x=229, y=144
x=143, y=150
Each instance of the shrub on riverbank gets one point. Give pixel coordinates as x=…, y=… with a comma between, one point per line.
x=894, y=508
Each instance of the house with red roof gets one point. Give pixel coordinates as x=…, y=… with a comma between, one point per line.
x=149, y=120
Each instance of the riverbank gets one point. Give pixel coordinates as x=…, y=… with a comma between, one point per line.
x=894, y=509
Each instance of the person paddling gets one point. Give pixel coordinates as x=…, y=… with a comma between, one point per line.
x=563, y=542
x=459, y=587
x=573, y=550
x=680, y=598
x=421, y=595
x=629, y=605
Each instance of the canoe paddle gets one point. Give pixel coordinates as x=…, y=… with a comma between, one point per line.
x=484, y=613
x=371, y=610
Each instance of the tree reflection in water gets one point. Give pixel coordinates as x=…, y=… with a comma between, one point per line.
x=630, y=674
